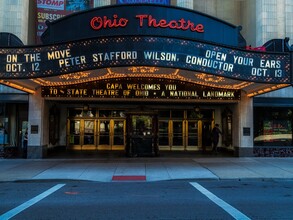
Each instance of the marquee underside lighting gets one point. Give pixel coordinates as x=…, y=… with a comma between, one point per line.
x=202, y=79
x=17, y=86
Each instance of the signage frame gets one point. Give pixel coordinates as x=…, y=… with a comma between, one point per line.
x=126, y=19
x=141, y=88
x=98, y=53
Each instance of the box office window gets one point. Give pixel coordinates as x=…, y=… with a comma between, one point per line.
x=272, y=126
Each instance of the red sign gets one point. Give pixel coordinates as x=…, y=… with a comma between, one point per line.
x=261, y=48
x=104, y=22
x=51, y=10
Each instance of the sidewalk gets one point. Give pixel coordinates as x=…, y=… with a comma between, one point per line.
x=146, y=169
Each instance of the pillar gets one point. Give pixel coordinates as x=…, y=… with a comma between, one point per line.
x=271, y=22
x=99, y=3
x=185, y=3
x=243, y=127
x=281, y=19
x=37, y=127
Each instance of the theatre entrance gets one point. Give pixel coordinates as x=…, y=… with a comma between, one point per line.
x=185, y=130
x=88, y=131
x=142, y=134
x=139, y=133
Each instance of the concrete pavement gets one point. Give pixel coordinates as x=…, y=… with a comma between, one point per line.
x=146, y=169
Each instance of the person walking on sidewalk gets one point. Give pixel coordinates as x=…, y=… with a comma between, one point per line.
x=215, y=138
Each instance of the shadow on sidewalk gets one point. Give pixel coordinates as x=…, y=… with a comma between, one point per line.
x=62, y=153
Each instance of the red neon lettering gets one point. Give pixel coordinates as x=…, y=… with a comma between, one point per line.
x=141, y=17
x=181, y=24
x=98, y=23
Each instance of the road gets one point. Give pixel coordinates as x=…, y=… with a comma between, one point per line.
x=226, y=199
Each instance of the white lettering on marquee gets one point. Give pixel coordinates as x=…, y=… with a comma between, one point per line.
x=117, y=55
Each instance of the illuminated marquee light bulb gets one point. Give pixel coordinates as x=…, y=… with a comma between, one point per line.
x=77, y=75
x=143, y=69
x=210, y=78
x=264, y=90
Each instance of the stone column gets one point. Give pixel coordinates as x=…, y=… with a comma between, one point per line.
x=243, y=126
x=281, y=19
x=99, y=3
x=271, y=20
x=37, y=127
x=185, y=3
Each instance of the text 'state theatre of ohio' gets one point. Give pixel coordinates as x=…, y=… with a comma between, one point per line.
x=144, y=79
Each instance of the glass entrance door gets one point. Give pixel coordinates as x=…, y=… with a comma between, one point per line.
x=111, y=134
x=74, y=137
x=178, y=135
x=192, y=135
x=88, y=134
x=93, y=134
x=118, y=139
x=81, y=134
x=164, y=139
x=104, y=134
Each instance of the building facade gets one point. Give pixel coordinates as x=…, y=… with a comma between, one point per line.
x=159, y=105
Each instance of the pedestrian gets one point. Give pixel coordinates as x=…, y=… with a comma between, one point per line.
x=25, y=140
x=215, y=137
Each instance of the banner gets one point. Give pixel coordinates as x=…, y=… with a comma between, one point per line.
x=51, y=10
x=51, y=4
